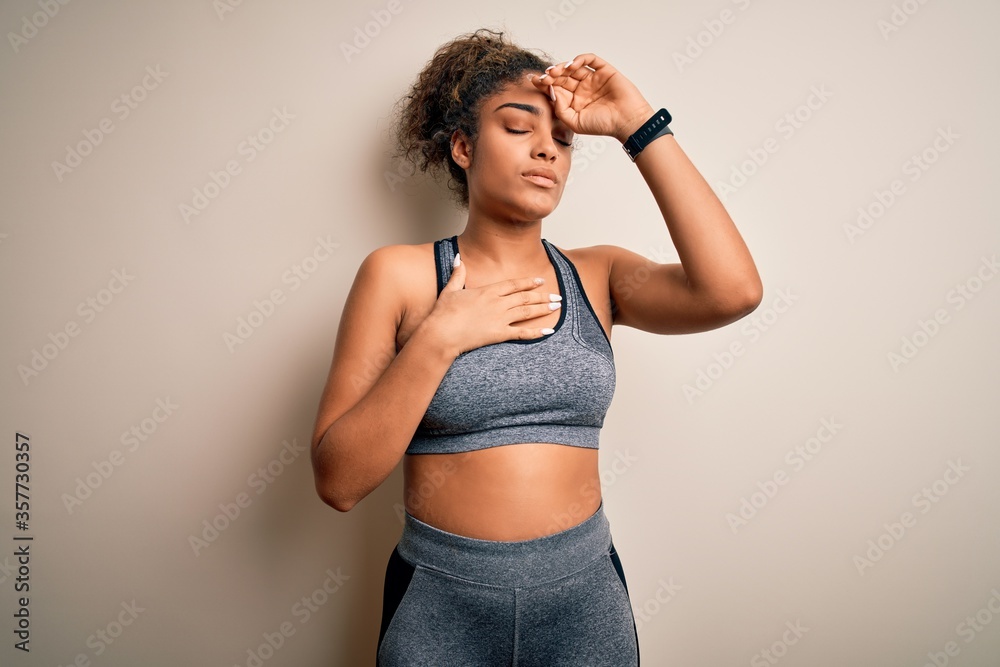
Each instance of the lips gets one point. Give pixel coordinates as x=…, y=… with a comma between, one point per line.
x=546, y=178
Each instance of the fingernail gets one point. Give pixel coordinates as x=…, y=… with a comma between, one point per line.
x=544, y=76
x=550, y=67
x=553, y=306
x=555, y=297
x=570, y=63
x=548, y=331
x=457, y=261
x=552, y=93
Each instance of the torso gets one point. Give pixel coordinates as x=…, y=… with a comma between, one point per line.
x=513, y=492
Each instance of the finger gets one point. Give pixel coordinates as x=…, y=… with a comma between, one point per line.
x=543, y=84
x=566, y=69
x=457, y=280
x=565, y=77
x=584, y=64
x=531, y=311
x=532, y=298
x=582, y=67
x=530, y=333
x=513, y=285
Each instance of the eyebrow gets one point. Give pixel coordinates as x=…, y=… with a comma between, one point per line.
x=530, y=108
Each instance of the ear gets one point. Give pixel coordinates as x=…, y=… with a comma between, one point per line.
x=461, y=149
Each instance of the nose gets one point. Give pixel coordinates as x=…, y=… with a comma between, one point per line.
x=546, y=147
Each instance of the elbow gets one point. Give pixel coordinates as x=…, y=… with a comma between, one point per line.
x=340, y=504
x=752, y=295
x=745, y=297
x=334, y=496
x=329, y=489
x=736, y=303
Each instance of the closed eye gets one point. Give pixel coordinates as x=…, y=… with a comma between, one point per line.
x=560, y=141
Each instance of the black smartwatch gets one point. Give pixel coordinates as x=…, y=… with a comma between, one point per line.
x=655, y=127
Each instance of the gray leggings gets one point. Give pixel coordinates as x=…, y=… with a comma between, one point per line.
x=556, y=600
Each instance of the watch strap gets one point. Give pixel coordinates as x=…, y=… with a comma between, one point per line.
x=655, y=127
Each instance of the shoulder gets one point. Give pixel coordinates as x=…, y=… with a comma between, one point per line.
x=620, y=269
x=397, y=261
x=595, y=258
x=394, y=274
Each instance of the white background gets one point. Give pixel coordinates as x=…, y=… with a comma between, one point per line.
x=676, y=465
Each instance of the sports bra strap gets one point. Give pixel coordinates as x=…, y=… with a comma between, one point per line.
x=444, y=258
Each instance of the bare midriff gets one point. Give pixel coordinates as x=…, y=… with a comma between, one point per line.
x=507, y=493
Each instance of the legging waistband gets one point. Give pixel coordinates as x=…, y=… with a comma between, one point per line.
x=500, y=563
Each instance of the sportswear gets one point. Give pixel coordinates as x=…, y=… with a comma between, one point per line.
x=560, y=600
x=555, y=389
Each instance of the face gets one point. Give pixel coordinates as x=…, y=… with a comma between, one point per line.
x=518, y=134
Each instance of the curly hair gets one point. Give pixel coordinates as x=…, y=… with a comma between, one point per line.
x=446, y=97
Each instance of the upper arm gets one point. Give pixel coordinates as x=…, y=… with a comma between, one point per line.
x=366, y=335
x=658, y=298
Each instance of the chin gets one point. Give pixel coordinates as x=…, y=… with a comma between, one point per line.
x=538, y=213
x=544, y=207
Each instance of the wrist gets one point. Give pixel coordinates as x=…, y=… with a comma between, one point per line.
x=634, y=122
x=658, y=125
x=432, y=342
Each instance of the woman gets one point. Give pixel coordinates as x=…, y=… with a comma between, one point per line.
x=484, y=362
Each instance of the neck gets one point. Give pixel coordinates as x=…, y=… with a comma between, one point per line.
x=502, y=243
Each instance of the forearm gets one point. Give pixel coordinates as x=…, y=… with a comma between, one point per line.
x=715, y=258
x=362, y=447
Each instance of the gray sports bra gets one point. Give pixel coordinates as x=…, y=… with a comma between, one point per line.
x=556, y=388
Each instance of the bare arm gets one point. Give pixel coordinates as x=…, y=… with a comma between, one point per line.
x=374, y=398
x=716, y=282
